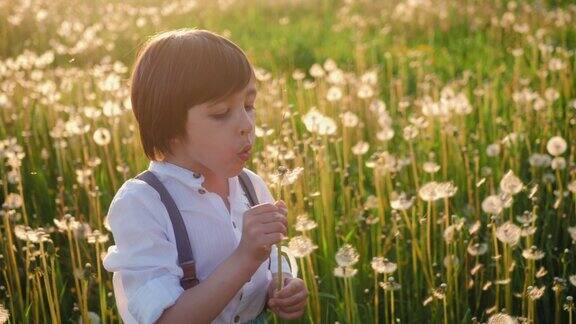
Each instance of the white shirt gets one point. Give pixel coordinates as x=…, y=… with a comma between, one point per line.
x=144, y=258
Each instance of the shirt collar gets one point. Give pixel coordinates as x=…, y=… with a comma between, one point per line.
x=188, y=177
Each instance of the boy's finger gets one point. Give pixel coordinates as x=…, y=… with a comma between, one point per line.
x=290, y=300
x=263, y=208
x=288, y=290
x=294, y=308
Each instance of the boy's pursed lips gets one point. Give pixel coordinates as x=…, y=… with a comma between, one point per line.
x=246, y=148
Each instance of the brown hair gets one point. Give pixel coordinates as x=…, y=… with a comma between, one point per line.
x=179, y=69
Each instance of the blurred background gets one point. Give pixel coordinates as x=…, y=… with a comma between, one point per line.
x=430, y=150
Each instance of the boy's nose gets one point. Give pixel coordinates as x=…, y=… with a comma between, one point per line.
x=246, y=124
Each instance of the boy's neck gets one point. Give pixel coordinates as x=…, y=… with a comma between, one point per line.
x=212, y=181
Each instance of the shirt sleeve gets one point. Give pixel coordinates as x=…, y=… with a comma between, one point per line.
x=142, y=255
x=265, y=196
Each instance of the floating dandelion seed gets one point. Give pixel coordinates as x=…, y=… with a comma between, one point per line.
x=556, y=145
x=382, y=265
x=475, y=227
x=440, y=292
x=535, y=293
x=347, y=256
x=508, y=233
x=511, y=184
x=301, y=246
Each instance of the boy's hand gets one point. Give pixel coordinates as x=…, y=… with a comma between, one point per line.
x=290, y=301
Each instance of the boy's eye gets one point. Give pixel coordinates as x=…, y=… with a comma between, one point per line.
x=225, y=114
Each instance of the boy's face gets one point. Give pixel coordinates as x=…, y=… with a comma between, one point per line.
x=216, y=134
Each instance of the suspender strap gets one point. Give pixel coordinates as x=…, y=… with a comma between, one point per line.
x=185, y=256
x=248, y=188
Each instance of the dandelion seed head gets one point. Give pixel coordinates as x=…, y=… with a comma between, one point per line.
x=556, y=145
x=508, y=233
x=102, y=136
x=301, y=246
x=12, y=201
x=511, y=184
x=382, y=265
x=401, y=201
x=349, y=119
x=428, y=192
x=502, y=318
x=532, y=253
x=492, y=205
x=4, y=314
x=572, y=232
x=558, y=163
x=360, y=148
x=304, y=223
x=347, y=256
x=477, y=249
x=431, y=167
x=345, y=272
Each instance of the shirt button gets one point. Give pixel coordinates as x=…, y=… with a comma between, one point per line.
x=236, y=319
x=240, y=296
x=196, y=175
x=234, y=224
x=201, y=191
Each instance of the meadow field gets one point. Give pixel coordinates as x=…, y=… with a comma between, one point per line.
x=425, y=148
